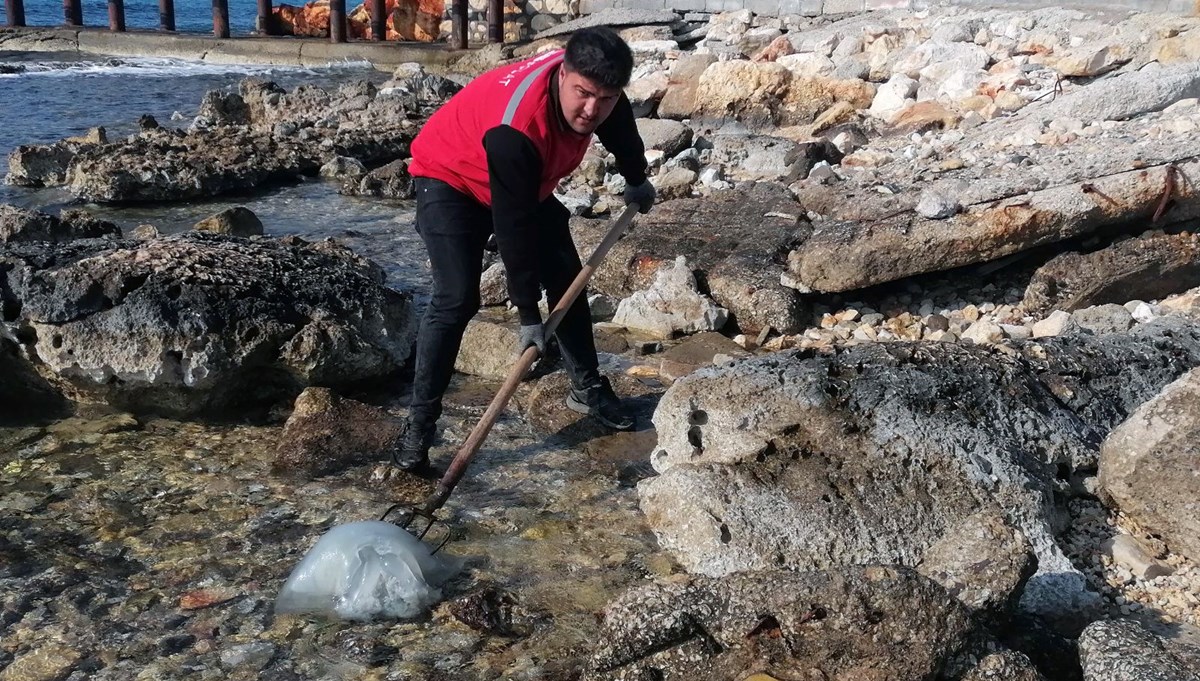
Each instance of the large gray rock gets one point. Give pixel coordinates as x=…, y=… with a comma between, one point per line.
x=1141, y=268
x=680, y=100
x=489, y=349
x=861, y=622
x=875, y=453
x=1153, y=88
x=763, y=157
x=200, y=323
x=735, y=240
x=671, y=306
x=42, y=165
x=1148, y=466
x=391, y=181
x=1123, y=650
x=670, y=137
x=17, y=224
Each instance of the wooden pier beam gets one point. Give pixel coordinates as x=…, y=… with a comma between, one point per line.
x=337, y=21
x=166, y=15
x=265, y=22
x=461, y=28
x=73, y=12
x=116, y=15
x=14, y=12
x=220, y=18
x=379, y=19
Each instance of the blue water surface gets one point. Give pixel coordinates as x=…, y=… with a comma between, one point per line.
x=191, y=16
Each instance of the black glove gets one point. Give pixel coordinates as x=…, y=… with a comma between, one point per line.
x=531, y=335
x=642, y=194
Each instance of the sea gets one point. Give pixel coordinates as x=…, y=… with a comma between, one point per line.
x=46, y=96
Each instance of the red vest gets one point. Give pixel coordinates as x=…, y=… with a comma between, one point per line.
x=450, y=145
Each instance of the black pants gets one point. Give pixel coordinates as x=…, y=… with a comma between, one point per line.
x=455, y=228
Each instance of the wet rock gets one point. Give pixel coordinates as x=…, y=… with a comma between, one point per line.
x=696, y=352
x=48, y=663
x=544, y=405
x=1109, y=318
x=671, y=306
x=327, y=433
x=27, y=395
x=199, y=323
x=344, y=168
x=418, y=88
x=163, y=165
x=237, y=221
x=255, y=655
x=1124, y=649
x=781, y=461
x=487, y=609
x=220, y=109
x=19, y=225
x=983, y=561
x=489, y=348
x=1145, y=268
x=846, y=623
x=1147, y=464
x=42, y=165
x=1004, y=666
x=733, y=239
x=391, y=181
x=145, y=232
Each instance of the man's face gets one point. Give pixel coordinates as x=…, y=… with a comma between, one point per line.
x=585, y=103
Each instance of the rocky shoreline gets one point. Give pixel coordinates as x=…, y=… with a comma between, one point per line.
x=912, y=337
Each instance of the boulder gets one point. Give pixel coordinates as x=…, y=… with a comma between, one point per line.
x=391, y=181
x=200, y=323
x=219, y=108
x=682, y=81
x=1140, y=268
x=17, y=224
x=489, y=349
x=1148, y=464
x=236, y=221
x=672, y=306
x=1124, y=650
x=860, y=622
x=764, y=157
x=745, y=91
x=327, y=433
x=42, y=165
x=734, y=241
x=1153, y=88
x=544, y=405
x=805, y=461
x=669, y=137
x=1108, y=318
x=645, y=93
x=418, y=89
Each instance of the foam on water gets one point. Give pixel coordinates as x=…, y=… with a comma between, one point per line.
x=162, y=67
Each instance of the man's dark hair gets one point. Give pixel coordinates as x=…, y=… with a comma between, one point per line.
x=599, y=54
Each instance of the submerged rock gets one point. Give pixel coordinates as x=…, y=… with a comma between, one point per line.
x=873, y=453
x=327, y=433
x=199, y=323
x=18, y=225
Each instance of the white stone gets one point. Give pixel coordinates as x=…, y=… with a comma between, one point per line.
x=937, y=206
x=822, y=172
x=671, y=306
x=984, y=332
x=892, y=96
x=807, y=64
x=1144, y=312
x=1057, y=324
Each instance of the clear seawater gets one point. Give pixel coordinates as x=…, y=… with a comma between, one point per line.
x=191, y=16
x=61, y=95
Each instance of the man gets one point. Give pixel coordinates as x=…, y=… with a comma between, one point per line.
x=488, y=162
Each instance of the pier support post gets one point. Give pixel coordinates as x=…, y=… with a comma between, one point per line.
x=495, y=21
x=265, y=22
x=116, y=15
x=461, y=27
x=14, y=12
x=166, y=15
x=73, y=12
x=379, y=19
x=337, y=21
x=220, y=18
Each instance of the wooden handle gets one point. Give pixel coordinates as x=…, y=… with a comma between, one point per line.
x=480, y=432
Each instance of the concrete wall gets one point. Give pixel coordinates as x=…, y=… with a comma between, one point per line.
x=814, y=8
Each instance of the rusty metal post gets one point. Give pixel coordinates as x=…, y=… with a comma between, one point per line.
x=379, y=19
x=73, y=12
x=116, y=15
x=337, y=21
x=14, y=11
x=461, y=28
x=166, y=15
x=220, y=18
x=496, y=21
x=265, y=22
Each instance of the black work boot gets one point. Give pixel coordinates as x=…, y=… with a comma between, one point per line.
x=601, y=403
x=413, y=453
